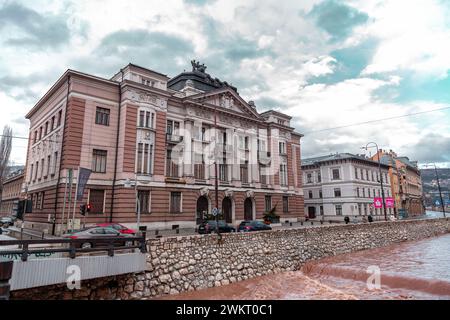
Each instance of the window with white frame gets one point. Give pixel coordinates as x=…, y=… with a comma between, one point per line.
x=144, y=158
x=282, y=147
x=338, y=209
x=283, y=175
x=335, y=174
x=146, y=119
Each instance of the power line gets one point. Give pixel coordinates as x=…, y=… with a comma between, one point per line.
x=377, y=120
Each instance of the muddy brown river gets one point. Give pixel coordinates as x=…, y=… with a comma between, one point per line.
x=410, y=270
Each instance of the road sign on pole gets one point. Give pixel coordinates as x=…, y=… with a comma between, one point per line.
x=215, y=211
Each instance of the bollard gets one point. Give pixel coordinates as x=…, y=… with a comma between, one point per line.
x=312, y=223
x=5, y=275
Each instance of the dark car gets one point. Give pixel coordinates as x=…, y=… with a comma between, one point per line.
x=101, y=236
x=210, y=226
x=247, y=226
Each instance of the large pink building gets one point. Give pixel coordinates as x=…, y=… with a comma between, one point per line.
x=166, y=134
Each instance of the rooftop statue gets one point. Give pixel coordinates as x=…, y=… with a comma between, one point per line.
x=196, y=66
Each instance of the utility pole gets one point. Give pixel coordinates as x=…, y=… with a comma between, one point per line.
x=381, y=177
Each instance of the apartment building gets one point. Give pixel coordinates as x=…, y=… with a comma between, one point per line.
x=407, y=183
x=164, y=137
x=343, y=184
x=11, y=192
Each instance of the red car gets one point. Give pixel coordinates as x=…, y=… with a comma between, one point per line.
x=117, y=226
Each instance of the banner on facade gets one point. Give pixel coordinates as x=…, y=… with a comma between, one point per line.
x=83, y=177
x=389, y=202
x=378, y=202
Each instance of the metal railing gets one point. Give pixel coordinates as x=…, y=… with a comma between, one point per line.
x=73, y=246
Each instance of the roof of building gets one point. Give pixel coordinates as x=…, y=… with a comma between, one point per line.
x=199, y=78
x=337, y=156
x=408, y=162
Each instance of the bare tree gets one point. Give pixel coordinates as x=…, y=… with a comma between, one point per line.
x=5, y=151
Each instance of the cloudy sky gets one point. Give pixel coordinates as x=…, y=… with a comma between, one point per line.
x=328, y=63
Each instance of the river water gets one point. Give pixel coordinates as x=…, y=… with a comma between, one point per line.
x=409, y=270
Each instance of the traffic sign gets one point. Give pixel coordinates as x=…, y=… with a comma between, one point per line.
x=215, y=211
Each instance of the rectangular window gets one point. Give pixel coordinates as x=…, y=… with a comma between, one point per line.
x=223, y=171
x=52, y=124
x=37, y=169
x=96, y=200
x=335, y=174
x=49, y=162
x=321, y=210
x=310, y=194
x=59, y=117
x=199, y=166
x=31, y=173
x=320, y=194
x=41, y=174
x=175, y=202
x=364, y=192
x=46, y=128
x=40, y=133
x=268, y=203
x=367, y=175
x=171, y=165
x=146, y=158
x=102, y=116
x=139, y=158
x=338, y=209
x=244, y=172
x=283, y=175
x=35, y=136
x=319, y=177
x=141, y=118
x=357, y=192
x=55, y=161
x=282, y=147
x=99, y=160
x=359, y=209
x=285, y=204
x=144, y=201
x=356, y=173
x=368, y=192
x=337, y=192
x=309, y=178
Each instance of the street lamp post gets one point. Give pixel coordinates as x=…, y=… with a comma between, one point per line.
x=127, y=184
x=381, y=177
x=439, y=187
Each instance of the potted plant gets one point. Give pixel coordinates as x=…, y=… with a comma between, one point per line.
x=271, y=216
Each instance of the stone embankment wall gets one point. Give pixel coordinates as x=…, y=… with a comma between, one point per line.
x=194, y=262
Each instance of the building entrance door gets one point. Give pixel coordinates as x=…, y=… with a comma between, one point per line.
x=311, y=212
x=202, y=208
x=248, y=209
x=227, y=210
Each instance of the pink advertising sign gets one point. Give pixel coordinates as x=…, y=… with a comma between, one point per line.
x=389, y=202
x=378, y=202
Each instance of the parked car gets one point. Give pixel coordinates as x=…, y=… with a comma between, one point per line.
x=253, y=225
x=6, y=221
x=210, y=226
x=117, y=226
x=105, y=233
